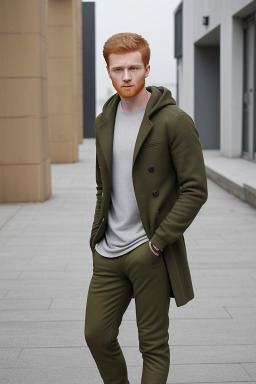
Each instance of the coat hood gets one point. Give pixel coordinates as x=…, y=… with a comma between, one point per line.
x=160, y=97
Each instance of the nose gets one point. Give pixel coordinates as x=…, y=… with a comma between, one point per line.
x=126, y=75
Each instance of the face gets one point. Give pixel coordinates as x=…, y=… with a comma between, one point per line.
x=128, y=73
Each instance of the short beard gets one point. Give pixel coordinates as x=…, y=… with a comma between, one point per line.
x=129, y=93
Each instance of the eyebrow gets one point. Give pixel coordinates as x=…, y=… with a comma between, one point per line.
x=121, y=66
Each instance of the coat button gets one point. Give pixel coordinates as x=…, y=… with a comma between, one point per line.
x=155, y=192
x=151, y=168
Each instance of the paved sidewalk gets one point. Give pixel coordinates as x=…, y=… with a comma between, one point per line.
x=45, y=269
x=236, y=175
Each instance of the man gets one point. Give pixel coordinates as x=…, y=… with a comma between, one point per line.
x=151, y=184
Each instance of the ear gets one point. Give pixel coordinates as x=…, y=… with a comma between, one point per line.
x=147, y=70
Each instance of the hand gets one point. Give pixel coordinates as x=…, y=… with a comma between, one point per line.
x=154, y=249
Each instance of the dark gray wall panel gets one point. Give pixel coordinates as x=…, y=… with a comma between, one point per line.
x=89, y=68
x=207, y=95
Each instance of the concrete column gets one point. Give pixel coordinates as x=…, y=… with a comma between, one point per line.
x=77, y=68
x=231, y=86
x=63, y=86
x=186, y=101
x=24, y=141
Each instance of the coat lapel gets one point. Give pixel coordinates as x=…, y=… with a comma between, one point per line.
x=144, y=130
x=105, y=134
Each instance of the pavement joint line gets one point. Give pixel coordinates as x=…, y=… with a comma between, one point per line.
x=254, y=277
x=225, y=308
x=248, y=373
x=17, y=278
x=50, y=304
x=12, y=216
x=5, y=295
x=21, y=350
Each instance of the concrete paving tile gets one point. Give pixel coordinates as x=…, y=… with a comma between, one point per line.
x=235, y=273
x=21, y=241
x=225, y=281
x=49, y=376
x=217, y=354
x=8, y=357
x=7, y=234
x=76, y=266
x=213, y=332
x=12, y=256
x=3, y=243
x=206, y=312
x=52, y=275
x=240, y=301
x=206, y=373
x=55, y=357
x=67, y=303
x=14, y=265
x=21, y=304
x=218, y=264
x=41, y=284
x=251, y=369
x=198, y=373
x=46, y=293
x=34, y=267
x=10, y=376
x=7, y=212
x=42, y=334
x=42, y=315
x=223, y=292
x=3, y=293
x=9, y=275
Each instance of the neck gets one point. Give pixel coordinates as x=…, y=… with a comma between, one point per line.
x=131, y=104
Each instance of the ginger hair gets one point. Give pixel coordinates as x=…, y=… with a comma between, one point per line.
x=126, y=42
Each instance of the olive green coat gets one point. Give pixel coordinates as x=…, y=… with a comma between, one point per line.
x=168, y=176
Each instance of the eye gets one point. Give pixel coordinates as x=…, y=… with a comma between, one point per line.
x=134, y=68
x=117, y=69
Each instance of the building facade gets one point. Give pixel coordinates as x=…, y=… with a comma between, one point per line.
x=215, y=48
x=41, y=118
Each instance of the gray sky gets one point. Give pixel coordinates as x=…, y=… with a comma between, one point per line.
x=151, y=19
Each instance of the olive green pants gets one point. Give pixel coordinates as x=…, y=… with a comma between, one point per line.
x=113, y=283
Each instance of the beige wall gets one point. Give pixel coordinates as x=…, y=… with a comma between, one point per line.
x=24, y=145
x=40, y=93
x=64, y=71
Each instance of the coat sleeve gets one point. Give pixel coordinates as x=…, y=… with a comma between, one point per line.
x=96, y=223
x=187, y=157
